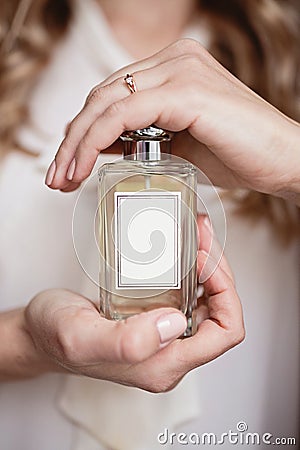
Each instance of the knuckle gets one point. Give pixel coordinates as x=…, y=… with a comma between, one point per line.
x=162, y=386
x=94, y=94
x=190, y=62
x=187, y=45
x=157, y=388
x=116, y=109
x=101, y=92
x=131, y=346
x=238, y=335
x=119, y=81
x=67, y=345
x=241, y=335
x=160, y=379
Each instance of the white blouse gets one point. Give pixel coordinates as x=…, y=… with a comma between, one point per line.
x=257, y=382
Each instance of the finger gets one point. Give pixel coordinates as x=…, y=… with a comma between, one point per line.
x=86, y=338
x=129, y=341
x=92, y=109
x=222, y=330
x=201, y=312
x=148, y=73
x=181, y=47
x=204, y=272
x=205, y=232
x=209, y=243
x=70, y=187
x=144, y=110
x=101, y=98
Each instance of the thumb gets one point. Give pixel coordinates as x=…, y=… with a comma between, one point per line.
x=140, y=336
x=94, y=339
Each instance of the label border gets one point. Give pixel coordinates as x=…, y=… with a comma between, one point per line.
x=175, y=195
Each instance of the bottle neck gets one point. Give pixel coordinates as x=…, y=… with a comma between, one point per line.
x=147, y=150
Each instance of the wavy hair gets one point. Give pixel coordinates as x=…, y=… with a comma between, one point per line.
x=28, y=31
x=257, y=40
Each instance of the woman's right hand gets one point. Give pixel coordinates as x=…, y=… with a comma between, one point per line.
x=62, y=331
x=232, y=134
x=142, y=351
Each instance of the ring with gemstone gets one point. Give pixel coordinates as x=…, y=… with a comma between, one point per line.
x=130, y=83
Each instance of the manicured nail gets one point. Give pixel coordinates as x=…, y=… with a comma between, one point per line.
x=207, y=224
x=203, y=275
x=170, y=327
x=71, y=170
x=50, y=173
x=200, y=290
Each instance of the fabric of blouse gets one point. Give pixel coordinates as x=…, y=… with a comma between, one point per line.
x=256, y=382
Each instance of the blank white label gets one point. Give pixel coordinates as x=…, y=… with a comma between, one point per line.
x=147, y=240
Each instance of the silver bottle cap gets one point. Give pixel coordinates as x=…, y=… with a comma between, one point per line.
x=147, y=144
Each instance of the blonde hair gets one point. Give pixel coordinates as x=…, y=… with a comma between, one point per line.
x=28, y=32
x=257, y=40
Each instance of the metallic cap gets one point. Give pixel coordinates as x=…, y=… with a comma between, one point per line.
x=147, y=144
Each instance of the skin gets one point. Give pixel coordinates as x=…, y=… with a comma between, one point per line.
x=180, y=88
x=60, y=331
x=236, y=137
x=156, y=25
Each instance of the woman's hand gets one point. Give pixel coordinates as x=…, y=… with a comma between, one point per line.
x=64, y=331
x=233, y=135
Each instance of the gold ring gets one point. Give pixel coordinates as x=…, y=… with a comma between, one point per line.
x=130, y=83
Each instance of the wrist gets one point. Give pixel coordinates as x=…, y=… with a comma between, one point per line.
x=20, y=358
x=289, y=155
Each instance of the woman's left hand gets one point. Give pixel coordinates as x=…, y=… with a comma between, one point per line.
x=235, y=137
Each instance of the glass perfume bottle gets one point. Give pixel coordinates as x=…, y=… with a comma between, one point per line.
x=147, y=229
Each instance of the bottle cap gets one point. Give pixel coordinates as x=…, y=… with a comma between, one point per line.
x=147, y=144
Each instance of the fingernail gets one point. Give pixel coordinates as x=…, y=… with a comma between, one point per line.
x=200, y=290
x=71, y=170
x=206, y=267
x=50, y=173
x=170, y=327
x=207, y=224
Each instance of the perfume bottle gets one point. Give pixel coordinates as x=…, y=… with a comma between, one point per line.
x=147, y=229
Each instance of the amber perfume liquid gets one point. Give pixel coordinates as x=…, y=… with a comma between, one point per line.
x=147, y=237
